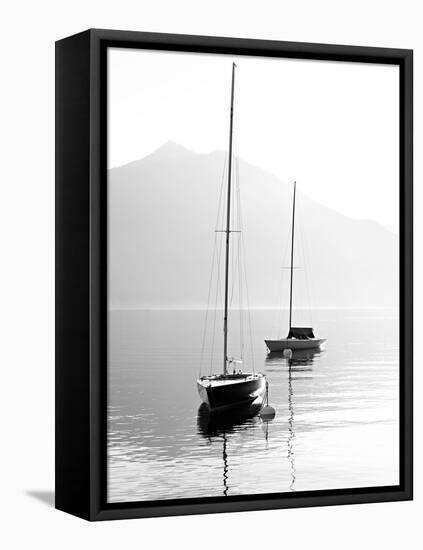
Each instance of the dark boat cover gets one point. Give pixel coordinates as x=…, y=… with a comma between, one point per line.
x=301, y=333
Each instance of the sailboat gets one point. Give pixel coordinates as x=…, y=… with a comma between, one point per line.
x=299, y=338
x=230, y=389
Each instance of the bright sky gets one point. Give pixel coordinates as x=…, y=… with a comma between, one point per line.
x=333, y=127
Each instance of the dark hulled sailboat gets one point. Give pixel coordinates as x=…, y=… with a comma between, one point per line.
x=230, y=389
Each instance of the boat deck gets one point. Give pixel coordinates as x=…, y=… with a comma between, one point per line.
x=223, y=379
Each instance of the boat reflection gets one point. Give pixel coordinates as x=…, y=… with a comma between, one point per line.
x=218, y=426
x=298, y=361
x=213, y=423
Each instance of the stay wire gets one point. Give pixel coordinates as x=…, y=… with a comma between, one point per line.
x=240, y=282
x=219, y=208
x=278, y=317
x=247, y=294
x=304, y=251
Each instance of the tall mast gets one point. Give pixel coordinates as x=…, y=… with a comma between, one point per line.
x=228, y=229
x=292, y=258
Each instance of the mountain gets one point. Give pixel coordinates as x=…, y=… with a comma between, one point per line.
x=162, y=216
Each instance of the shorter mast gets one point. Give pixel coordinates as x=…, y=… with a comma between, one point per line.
x=292, y=259
x=228, y=229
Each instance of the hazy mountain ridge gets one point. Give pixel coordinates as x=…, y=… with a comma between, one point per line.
x=162, y=219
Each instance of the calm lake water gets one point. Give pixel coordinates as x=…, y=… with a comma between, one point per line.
x=336, y=423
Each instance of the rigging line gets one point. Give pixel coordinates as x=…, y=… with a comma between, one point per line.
x=304, y=254
x=247, y=295
x=220, y=209
x=308, y=275
x=241, y=296
x=208, y=305
x=219, y=215
x=233, y=270
x=302, y=294
x=248, y=306
x=292, y=256
x=232, y=260
x=241, y=303
x=218, y=294
x=236, y=208
x=276, y=318
x=304, y=259
x=279, y=310
x=233, y=251
x=235, y=260
x=222, y=185
x=212, y=267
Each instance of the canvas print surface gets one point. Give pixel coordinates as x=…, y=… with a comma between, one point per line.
x=253, y=275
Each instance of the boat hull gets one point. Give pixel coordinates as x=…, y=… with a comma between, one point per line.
x=221, y=393
x=294, y=344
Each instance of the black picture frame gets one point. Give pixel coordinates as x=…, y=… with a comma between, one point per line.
x=81, y=272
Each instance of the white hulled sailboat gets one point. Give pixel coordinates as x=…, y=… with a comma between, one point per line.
x=299, y=338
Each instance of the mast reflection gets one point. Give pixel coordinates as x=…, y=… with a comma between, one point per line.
x=215, y=426
x=291, y=433
x=296, y=362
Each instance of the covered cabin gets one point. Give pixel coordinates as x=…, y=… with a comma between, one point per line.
x=301, y=333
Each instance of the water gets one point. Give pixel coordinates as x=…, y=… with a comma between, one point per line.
x=336, y=423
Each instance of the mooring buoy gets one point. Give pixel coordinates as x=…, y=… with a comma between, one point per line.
x=267, y=412
x=287, y=353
